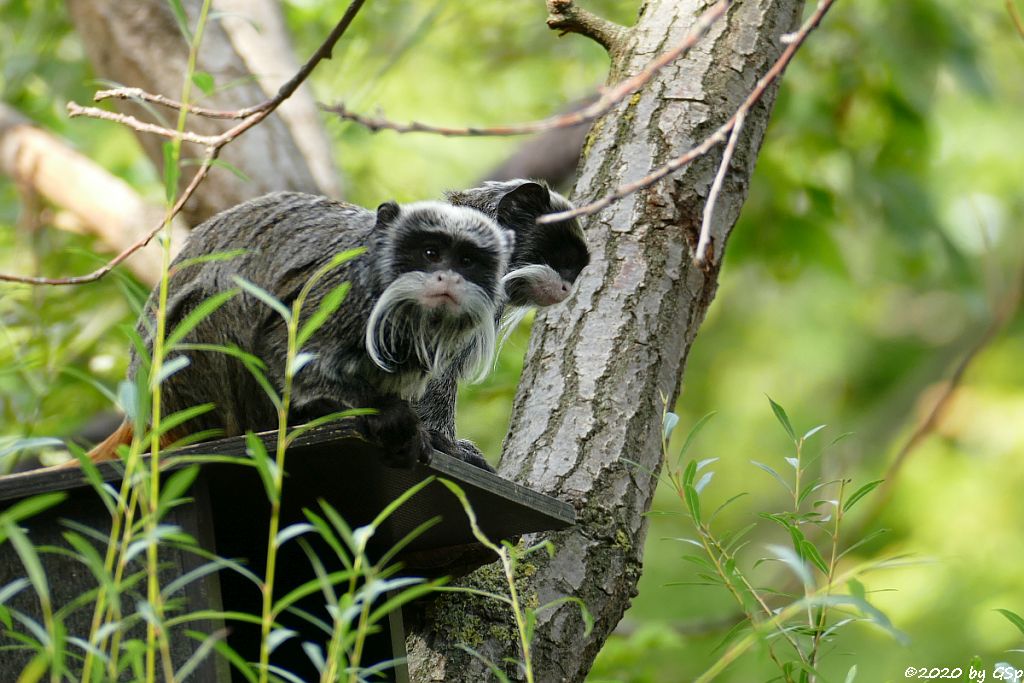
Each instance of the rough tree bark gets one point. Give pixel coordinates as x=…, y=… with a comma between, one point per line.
x=597, y=366
x=138, y=44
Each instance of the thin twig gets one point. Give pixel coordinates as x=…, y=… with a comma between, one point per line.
x=608, y=99
x=794, y=41
x=75, y=110
x=566, y=17
x=716, y=188
x=140, y=94
x=213, y=144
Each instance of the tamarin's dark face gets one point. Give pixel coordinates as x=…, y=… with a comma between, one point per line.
x=547, y=258
x=440, y=269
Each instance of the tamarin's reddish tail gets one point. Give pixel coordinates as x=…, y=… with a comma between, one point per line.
x=107, y=449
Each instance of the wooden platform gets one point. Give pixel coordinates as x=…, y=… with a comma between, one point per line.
x=229, y=516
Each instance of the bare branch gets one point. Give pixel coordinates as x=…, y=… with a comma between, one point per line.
x=249, y=116
x=140, y=94
x=601, y=106
x=76, y=110
x=709, y=206
x=794, y=41
x=566, y=17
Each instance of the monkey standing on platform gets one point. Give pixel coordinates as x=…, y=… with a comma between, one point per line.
x=423, y=296
x=545, y=263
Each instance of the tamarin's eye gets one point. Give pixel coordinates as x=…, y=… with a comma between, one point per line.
x=467, y=260
x=431, y=255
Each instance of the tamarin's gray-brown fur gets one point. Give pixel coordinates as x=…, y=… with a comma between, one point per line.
x=423, y=296
x=545, y=263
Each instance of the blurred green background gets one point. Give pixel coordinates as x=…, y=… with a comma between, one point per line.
x=882, y=231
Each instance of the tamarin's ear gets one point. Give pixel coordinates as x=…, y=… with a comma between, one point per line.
x=387, y=213
x=520, y=207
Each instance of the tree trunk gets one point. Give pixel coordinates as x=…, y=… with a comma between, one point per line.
x=598, y=365
x=138, y=44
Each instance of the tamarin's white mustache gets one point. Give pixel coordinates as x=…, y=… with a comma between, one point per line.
x=436, y=337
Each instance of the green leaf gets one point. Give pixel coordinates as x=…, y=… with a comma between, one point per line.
x=810, y=551
x=689, y=473
x=28, y=444
x=860, y=493
x=693, y=434
x=867, y=539
x=1013, y=618
x=264, y=296
x=668, y=423
x=204, y=82
x=790, y=558
x=778, y=477
x=692, y=501
x=208, y=258
x=31, y=506
x=257, y=450
x=783, y=419
x=811, y=432
x=181, y=19
x=198, y=314
x=171, y=366
x=725, y=505
x=29, y=558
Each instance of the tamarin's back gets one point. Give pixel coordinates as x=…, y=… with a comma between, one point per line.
x=285, y=236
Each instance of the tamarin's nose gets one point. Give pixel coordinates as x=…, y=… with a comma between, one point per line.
x=454, y=278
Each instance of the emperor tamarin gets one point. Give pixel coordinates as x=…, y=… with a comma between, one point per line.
x=424, y=295
x=545, y=263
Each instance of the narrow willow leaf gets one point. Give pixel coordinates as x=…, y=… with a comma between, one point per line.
x=28, y=444
x=278, y=636
x=692, y=501
x=291, y=531
x=692, y=435
x=811, y=432
x=1013, y=618
x=668, y=423
x=783, y=419
x=181, y=19
x=790, y=558
x=704, y=481
x=328, y=307
x=867, y=539
x=264, y=296
x=301, y=360
x=860, y=493
x=171, y=366
x=689, y=473
x=810, y=551
x=725, y=505
x=778, y=477
x=208, y=258
x=198, y=314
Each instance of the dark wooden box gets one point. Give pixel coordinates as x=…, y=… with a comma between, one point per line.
x=229, y=515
